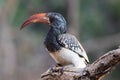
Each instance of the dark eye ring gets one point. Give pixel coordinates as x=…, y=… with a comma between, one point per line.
x=52, y=19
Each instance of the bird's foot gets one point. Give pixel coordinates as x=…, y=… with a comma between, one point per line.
x=56, y=69
x=53, y=71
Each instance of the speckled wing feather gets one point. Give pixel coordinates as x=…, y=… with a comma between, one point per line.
x=70, y=42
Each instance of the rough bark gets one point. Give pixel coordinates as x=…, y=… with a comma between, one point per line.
x=95, y=71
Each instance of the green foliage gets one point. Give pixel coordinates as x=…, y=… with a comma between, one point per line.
x=99, y=18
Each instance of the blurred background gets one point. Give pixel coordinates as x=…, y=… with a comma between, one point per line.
x=96, y=23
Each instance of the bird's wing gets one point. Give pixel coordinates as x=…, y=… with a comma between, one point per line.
x=70, y=42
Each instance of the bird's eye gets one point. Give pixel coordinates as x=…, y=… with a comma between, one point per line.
x=52, y=19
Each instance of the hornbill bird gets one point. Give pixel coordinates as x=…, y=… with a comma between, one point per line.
x=63, y=47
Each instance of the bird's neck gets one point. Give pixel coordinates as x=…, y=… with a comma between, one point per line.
x=51, y=42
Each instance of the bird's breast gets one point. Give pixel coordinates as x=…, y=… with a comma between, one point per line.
x=65, y=57
x=61, y=56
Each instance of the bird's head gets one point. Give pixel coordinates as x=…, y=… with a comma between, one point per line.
x=53, y=19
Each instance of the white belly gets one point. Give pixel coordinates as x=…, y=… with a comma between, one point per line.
x=66, y=57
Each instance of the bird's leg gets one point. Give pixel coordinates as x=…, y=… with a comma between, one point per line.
x=57, y=68
x=58, y=65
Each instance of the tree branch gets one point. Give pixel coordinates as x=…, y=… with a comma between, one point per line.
x=95, y=71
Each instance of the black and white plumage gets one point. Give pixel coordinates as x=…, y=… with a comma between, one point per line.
x=64, y=48
x=70, y=42
x=71, y=52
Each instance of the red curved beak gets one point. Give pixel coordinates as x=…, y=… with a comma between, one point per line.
x=40, y=17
